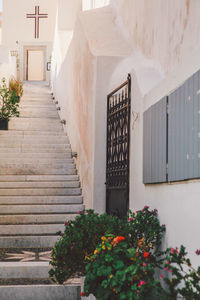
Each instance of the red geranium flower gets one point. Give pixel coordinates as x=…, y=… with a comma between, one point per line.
x=146, y=255
x=83, y=294
x=117, y=240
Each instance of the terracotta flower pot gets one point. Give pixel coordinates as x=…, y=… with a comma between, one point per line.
x=3, y=124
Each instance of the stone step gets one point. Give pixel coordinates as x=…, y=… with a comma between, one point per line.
x=35, y=97
x=37, y=171
x=33, y=139
x=35, y=124
x=28, y=242
x=36, y=219
x=17, y=178
x=39, y=108
x=53, y=155
x=14, y=133
x=37, y=200
x=34, y=146
x=24, y=270
x=37, y=104
x=45, y=149
x=40, y=209
x=24, y=161
x=47, y=115
x=41, y=166
x=39, y=192
x=39, y=184
x=40, y=292
x=27, y=144
x=30, y=230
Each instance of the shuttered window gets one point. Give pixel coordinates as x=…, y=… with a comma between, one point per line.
x=171, y=135
x=154, y=143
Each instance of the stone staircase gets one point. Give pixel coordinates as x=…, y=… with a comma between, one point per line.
x=39, y=191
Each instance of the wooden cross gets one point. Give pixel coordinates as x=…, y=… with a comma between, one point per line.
x=37, y=16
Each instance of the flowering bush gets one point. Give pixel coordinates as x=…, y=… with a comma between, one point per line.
x=118, y=271
x=82, y=235
x=79, y=241
x=183, y=281
x=144, y=224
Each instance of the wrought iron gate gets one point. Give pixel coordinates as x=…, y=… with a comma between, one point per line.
x=118, y=142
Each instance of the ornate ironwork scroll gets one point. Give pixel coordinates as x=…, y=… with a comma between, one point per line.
x=118, y=142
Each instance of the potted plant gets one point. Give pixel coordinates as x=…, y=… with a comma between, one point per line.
x=9, y=105
x=16, y=86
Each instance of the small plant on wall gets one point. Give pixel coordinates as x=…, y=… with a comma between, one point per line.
x=9, y=105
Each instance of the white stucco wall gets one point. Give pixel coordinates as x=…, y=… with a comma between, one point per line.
x=157, y=67
x=162, y=44
x=8, y=69
x=73, y=84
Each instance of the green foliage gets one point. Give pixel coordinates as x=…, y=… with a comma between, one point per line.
x=120, y=258
x=9, y=102
x=182, y=280
x=145, y=224
x=79, y=241
x=117, y=271
x=16, y=86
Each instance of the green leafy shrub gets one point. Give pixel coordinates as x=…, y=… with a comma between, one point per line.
x=82, y=235
x=145, y=224
x=79, y=241
x=119, y=271
x=9, y=102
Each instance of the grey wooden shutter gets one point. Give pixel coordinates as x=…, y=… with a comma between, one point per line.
x=155, y=143
x=184, y=131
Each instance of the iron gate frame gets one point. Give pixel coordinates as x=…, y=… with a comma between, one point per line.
x=118, y=146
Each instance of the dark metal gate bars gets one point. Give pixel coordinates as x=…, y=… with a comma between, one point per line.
x=118, y=142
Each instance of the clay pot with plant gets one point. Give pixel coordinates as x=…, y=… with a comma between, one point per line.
x=16, y=86
x=9, y=105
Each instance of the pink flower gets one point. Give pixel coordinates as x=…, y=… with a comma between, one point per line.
x=170, y=271
x=65, y=224
x=145, y=207
x=80, y=212
x=131, y=219
x=161, y=276
x=144, y=265
x=198, y=252
x=167, y=263
x=166, y=269
x=141, y=283
x=172, y=250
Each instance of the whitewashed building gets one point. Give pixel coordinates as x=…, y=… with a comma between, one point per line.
x=158, y=43
x=93, y=45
